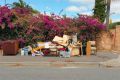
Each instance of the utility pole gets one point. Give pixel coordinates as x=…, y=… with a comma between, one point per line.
x=108, y=13
x=108, y=2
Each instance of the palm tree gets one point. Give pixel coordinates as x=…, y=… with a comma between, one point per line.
x=22, y=4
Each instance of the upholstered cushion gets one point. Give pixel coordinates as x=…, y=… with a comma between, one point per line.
x=93, y=48
x=58, y=39
x=92, y=42
x=65, y=38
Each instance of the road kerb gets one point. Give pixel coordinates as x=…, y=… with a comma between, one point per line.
x=52, y=64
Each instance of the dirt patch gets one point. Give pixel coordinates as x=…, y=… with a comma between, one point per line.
x=69, y=61
x=16, y=65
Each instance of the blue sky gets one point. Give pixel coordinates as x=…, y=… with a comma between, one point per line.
x=68, y=7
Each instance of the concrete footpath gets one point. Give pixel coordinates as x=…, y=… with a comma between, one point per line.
x=77, y=61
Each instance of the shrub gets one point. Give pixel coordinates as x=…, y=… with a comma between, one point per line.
x=20, y=23
x=88, y=26
x=7, y=27
x=113, y=25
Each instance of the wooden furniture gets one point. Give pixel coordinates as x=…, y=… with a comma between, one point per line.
x=54, y=51
x=76, y=51
x=91, y=48
x=62, y=40
x=1, y=50
x=47, y=48
x=10, y=47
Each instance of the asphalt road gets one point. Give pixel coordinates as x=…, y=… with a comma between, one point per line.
x=61, y=73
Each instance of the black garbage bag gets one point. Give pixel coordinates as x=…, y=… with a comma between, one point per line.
x=84, y=44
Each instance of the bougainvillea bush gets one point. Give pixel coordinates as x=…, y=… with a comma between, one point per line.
x=88, y=26
x=14, y=23
x=20, y=23
x=7, y=29
x=45, y=27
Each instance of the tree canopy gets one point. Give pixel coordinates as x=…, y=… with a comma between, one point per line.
x=22, y=4
x=100, y=10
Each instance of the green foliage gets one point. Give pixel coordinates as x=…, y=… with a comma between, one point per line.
x=100, y=10
x=113, y=25
x=7, y=27
x=22, y=4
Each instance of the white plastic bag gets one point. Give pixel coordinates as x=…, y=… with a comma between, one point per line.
x=65, y=54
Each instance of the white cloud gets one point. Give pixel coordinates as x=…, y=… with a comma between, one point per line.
x=115, y=7
x=87, y=13
x=115, y=11
x=47, y=13
x=48, y=8
x=82, y=1
x=115, y=20
x=76, y=8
